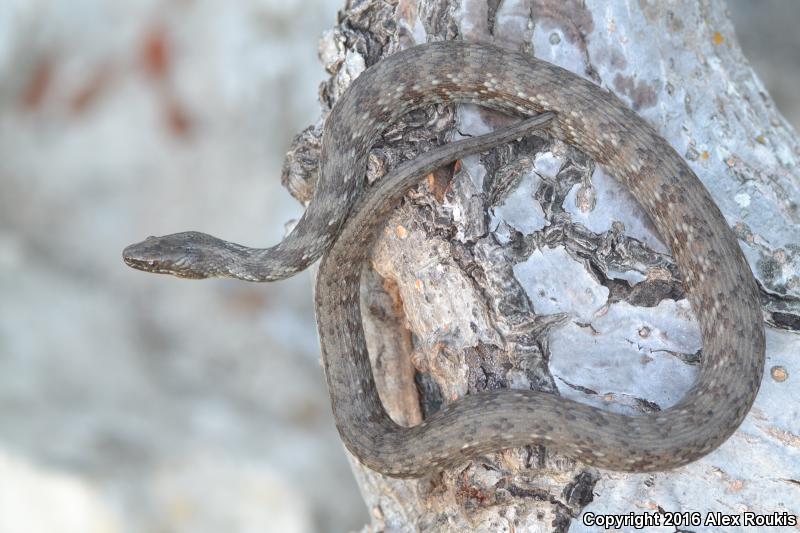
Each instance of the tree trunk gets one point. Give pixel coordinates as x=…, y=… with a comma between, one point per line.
x=531, y=268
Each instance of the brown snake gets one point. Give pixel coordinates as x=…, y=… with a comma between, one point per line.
x=717, y=278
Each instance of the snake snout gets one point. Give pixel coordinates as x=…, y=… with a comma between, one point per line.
x=137, y=256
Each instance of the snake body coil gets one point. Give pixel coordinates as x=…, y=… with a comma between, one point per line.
x=718, y=280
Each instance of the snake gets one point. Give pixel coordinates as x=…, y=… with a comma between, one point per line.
x=344, y=216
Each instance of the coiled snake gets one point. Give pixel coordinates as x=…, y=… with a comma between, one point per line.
x=718, y=280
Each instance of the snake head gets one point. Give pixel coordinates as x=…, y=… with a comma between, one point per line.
x=191, y=255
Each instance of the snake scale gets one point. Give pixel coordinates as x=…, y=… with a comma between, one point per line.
x=344, y=216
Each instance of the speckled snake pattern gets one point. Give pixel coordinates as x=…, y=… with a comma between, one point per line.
x=344, y=216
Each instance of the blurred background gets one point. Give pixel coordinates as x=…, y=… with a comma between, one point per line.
x=142, y=403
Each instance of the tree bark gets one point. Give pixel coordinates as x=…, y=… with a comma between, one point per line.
x=530, y=268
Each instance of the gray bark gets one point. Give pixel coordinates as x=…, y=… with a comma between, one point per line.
x=531, y=268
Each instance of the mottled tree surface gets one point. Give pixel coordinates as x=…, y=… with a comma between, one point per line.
x=529, y=267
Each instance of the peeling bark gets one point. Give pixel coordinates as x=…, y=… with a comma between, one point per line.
x=528, y=267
